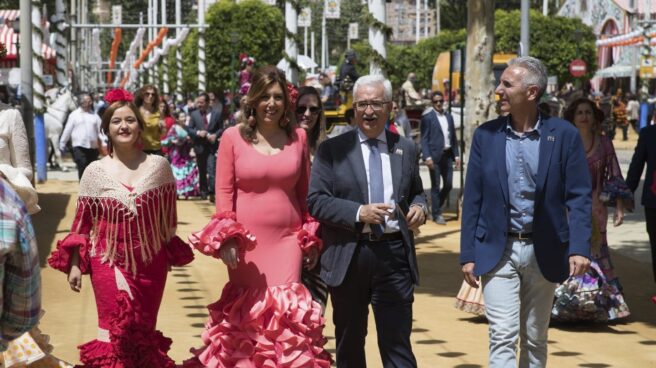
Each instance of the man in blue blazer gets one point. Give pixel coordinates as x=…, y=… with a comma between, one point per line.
x=526, y=217
x=366, y=191
x=439, y=149
x=645, y=152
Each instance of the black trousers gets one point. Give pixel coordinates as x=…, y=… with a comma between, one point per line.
x=206, y=162
x=442, y=170
x=379, y=275
x=83, y=157
x=650, y=217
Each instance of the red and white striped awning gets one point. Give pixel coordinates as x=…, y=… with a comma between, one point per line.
x=10, y=39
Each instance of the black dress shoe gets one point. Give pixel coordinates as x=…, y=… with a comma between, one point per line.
x=203, y=196
x=211, y=198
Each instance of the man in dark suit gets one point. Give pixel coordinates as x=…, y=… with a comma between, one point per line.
x=205, y=129
x=366, y=191
x=439, y=148
x=526, y=217
x=645, y=152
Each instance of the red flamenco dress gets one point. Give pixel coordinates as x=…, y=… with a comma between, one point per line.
x=126, y=242
x=265, y=316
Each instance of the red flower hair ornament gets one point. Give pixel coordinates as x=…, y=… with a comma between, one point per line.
x=118, y=94
x=293, y=95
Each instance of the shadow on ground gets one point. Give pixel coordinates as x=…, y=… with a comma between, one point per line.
x=46, y=222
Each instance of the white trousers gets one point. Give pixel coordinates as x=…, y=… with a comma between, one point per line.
x=518, y=301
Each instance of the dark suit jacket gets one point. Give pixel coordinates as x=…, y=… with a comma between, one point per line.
x=562, y=210
x=215, y=126
x=338, y=186
x=432, y=137
x=645, y=152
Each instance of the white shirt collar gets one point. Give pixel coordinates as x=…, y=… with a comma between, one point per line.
x=382, y=137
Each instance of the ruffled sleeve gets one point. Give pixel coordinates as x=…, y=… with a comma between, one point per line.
x=308, y=236
x=614, y=186
x=60, y=258
x=221, y=228
x=79, y=237
x=178, y=252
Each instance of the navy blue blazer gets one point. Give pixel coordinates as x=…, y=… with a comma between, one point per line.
x=645, y=152
x=432, y=137
x=338, y=186
x=563, y=206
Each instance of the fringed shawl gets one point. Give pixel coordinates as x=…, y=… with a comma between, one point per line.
x=123, y=224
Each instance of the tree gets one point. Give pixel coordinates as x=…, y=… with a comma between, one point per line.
x=419, y=59
x=544, y=30
x=258, y=31
x=479, y=79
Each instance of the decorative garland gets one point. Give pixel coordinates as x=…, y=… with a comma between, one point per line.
x=371, y=21
x=38, y=98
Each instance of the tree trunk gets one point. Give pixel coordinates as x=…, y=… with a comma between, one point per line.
x=479, y=77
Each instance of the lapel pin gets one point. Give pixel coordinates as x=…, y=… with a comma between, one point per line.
x=398, y=152
x=551, y=138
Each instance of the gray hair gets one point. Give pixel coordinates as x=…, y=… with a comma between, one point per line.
x=537, y=72
x=374, y=79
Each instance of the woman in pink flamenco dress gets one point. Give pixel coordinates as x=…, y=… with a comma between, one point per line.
x=123, y=236
x=262, y=232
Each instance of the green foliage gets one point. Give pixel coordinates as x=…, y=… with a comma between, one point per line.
x=258, y=30
x=543, y=32
x=419, y=58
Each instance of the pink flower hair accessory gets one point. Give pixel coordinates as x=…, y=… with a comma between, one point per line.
x=118, y=94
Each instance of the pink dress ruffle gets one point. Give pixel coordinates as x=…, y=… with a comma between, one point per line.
x=60, y=258
x=132, y=343
x=308, y=235
x=221, y=228
x=279, y=326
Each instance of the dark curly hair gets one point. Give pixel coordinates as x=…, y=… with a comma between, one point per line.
x=598, y=114
x=263, y=79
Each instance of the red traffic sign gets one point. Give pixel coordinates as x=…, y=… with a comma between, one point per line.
x=577, y=68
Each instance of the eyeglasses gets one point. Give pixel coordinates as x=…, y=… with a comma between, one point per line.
x=438, y=101
x=376, y=105
x=302, y=109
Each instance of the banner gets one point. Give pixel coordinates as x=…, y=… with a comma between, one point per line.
x=353, y=31
x=331, y=9
x=305, y=17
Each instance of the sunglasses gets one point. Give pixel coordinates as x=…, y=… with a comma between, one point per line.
x=438, y=101
x=149, y=94
x=302, y=109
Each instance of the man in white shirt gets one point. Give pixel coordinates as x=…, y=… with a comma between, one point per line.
x=83, y=126
x=439, y=149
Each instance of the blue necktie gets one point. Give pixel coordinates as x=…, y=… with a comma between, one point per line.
x=376, y=186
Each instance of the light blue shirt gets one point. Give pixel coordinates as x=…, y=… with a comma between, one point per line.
x=522, y=158
x=391, y=224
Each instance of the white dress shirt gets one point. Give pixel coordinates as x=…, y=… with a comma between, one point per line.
x=444, y=124
x=391, y=225
x=84, y=128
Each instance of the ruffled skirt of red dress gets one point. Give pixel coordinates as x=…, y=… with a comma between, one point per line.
x=132, y=344
x=279, y=326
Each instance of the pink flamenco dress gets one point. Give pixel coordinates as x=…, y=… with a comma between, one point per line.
x=125, y=238
x=265, y=316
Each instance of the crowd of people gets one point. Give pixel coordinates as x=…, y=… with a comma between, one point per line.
x=301, y=218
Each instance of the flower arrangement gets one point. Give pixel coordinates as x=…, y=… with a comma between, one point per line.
x=118, y=94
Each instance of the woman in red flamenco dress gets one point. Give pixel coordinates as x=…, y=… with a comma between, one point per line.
x=123, y=236
x=262, y=232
